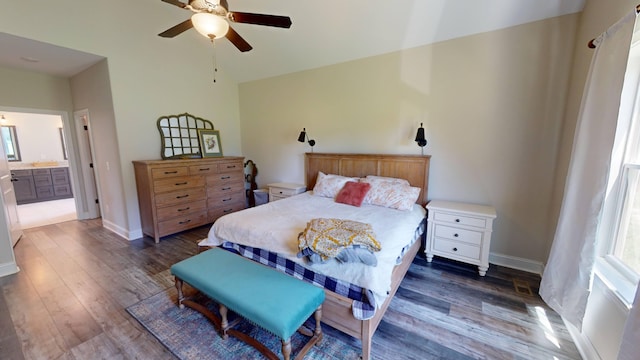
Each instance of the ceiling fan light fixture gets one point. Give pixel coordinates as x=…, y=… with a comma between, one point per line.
x=209, y=25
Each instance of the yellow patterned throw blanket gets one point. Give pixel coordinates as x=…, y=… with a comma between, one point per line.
x=343, y=240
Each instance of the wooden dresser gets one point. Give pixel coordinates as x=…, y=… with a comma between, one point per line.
x=176, y=195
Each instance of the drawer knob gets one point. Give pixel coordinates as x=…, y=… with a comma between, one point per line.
x=226, y=188
x=225, y=177
x=455, y=249
x=225, y=200
x=184, y=222
x=181, y=183
x=184, y=209
x=170, y=172
x=455, y=235
x=204, y=169
x=457, y=220
x=182, y=196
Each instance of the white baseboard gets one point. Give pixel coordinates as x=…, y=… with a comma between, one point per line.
x=8, y=268
x=124, y=233
x=584, y=345
x=513, y=262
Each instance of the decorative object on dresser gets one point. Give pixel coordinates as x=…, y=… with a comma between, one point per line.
x=179, y=135
x=41, y=184
x=176, y=195
x=279, y=191
x=210, y=145
x=460, y=232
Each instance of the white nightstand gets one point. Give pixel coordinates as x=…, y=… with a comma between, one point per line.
x=279, y=191
x=460, y=232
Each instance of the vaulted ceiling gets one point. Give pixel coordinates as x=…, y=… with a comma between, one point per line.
x=323, y=32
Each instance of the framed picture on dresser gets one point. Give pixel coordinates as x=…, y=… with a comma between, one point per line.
x=210, y=145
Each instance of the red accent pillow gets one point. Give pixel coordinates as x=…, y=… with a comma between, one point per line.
x=353, y=193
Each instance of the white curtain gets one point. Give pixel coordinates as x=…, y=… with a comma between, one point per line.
x=567, y=277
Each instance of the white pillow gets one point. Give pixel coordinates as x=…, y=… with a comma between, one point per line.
x=397, y=180
x=329, y=185
x=391, y=194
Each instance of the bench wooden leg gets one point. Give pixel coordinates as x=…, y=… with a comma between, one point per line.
x=286, y=348
x=180, y=294
x=224, y=323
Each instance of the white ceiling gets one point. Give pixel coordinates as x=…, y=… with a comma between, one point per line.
x=323, y=33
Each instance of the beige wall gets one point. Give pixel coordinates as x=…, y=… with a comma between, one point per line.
x=491, y=104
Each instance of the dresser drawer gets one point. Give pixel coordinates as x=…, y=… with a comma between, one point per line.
x=215, y=213
x=225, y=199
x=177, y=183
x=181, y=210
x=457, y=234
x=162, y=173
x=226, y=178
x=461, y=220
x=230, y=166
x=179, y=197
x=223, y=190
x=455, y=248
x=182, y=223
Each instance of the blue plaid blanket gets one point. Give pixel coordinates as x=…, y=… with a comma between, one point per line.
x=363, y=307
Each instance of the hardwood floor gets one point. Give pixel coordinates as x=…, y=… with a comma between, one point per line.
x=76, y=279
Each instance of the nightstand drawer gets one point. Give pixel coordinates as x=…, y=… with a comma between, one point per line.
x=282, y=192
x=456, y=248
x=461, y=220
x=457, y=234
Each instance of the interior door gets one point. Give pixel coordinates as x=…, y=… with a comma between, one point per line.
x=9, y=198
x=88, y=171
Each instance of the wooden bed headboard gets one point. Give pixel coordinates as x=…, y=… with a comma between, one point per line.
x=414, y=168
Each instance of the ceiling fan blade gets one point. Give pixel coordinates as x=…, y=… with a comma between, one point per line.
x=260, y=19
x=238, y=41
x=177, y=30
x=175, y=2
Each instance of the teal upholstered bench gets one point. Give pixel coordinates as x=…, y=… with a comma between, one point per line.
x=268, y=298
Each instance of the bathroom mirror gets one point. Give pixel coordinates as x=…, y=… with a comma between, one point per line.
x=179, y=135
x=10, y=139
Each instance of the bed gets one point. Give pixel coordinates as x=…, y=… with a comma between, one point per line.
x=356, y=304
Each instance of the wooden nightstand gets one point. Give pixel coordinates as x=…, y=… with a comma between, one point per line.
x=279, y=191
x=460, y=232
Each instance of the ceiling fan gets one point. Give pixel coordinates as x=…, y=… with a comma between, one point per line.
x=211, y=19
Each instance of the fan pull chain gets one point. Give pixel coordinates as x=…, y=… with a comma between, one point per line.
x=215, y=63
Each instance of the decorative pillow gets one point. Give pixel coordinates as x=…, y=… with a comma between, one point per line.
x=396, y=180
x=391, y=194
x=353, y=193
x=330, y=185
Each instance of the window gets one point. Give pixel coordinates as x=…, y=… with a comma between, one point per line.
x=10, y=140
x=619, y=228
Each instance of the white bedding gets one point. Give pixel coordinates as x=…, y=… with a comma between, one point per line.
x=275, y=226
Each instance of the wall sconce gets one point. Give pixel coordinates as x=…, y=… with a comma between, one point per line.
x=303, y=136
x=420, y=139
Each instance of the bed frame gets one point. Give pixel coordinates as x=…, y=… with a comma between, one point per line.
x=336, y=309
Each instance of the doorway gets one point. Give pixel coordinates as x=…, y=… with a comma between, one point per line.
x=47, y=193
